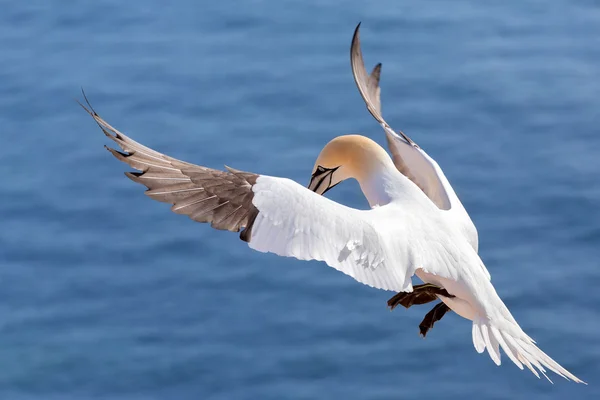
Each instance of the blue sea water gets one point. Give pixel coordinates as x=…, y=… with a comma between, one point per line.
x=105, y=294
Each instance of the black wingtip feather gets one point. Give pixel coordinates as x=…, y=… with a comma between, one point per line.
x=118, y=154
x=134, y=176
x=376, y=73
x=93, y=112
x=356, y=35
x=246, y=234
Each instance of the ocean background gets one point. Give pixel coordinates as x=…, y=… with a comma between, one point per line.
x=105, y=294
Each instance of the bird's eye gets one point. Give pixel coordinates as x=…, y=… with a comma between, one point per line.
x=320, y=169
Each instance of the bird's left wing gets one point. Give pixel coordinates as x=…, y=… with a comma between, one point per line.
x=275, y=215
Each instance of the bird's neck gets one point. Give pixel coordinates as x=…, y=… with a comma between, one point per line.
x=380, y=185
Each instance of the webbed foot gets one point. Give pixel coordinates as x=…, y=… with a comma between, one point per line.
x=421, y=294
x=432, y=317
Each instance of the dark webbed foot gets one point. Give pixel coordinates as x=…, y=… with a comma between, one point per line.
x=432, y=316
x=410, y=299
x=421, y=294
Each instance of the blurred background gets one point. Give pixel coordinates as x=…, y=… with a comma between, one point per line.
x=106, y=294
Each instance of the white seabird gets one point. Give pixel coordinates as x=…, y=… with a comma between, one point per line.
x=416, y=226
x=470, y=297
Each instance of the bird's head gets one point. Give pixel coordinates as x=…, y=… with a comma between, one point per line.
x=348, y=156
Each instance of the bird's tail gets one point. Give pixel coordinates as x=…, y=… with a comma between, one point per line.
x=519, y=347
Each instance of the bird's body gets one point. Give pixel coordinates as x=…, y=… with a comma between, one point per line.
x=416, y=224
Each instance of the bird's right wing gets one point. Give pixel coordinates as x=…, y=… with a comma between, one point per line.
x=407, y=156
x=412, y=161
x=277, y=215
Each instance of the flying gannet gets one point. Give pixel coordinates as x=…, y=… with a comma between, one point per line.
x=416, y=224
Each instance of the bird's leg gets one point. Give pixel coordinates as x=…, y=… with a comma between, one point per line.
x=421, y=294
x=432, y=316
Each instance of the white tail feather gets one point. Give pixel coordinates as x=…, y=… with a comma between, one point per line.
x=478, y=339
x=510, y=351
x=491, y=345
x=520, y=348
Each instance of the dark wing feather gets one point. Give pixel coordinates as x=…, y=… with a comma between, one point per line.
x=221, y=198
x=373, y=87
x=368, y=85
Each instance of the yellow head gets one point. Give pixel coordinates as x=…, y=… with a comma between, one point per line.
x=348, y=156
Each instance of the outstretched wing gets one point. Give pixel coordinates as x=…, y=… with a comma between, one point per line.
x=221, y=198
x=277, y=215
x=409, y=158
